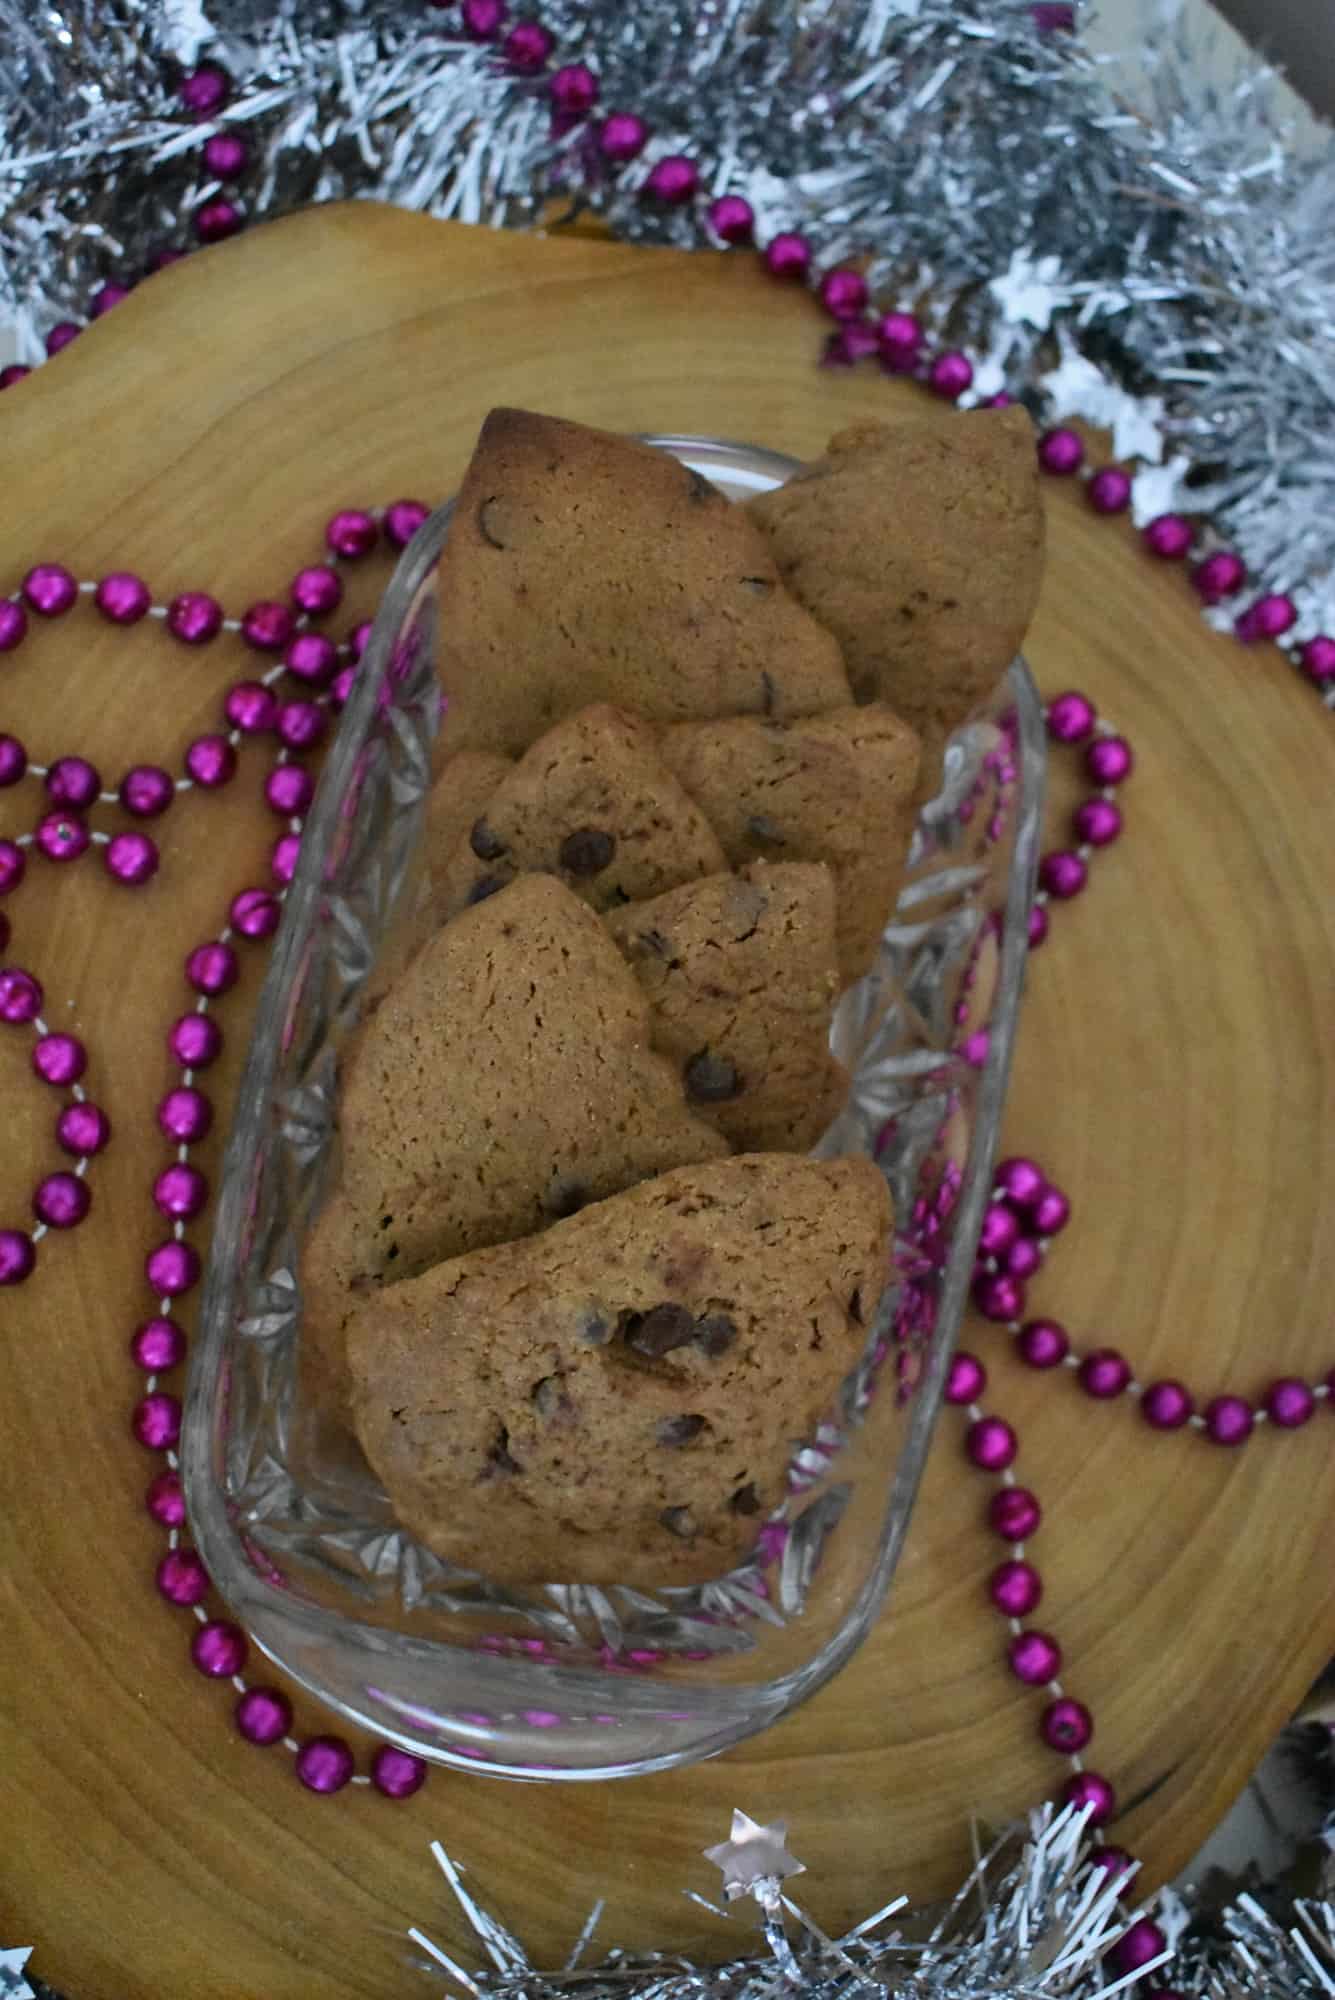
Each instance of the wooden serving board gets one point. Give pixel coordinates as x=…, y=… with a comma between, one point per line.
x=1176, y=1072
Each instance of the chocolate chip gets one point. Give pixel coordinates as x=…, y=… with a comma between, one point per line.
x=595, y=1329
x=771, y=693
x=486, y=885
x=566, y=1198
x=587, y=851
x=715, y=1334
x=855, y=1307
x=487, y=845
x=658, y=1331
x=491, y=523
x=745, y=1501
x=679, y=1521
x=676, y=1431
x=655, y=942
x=711, y=1079
x=499, y=1464
x=549, y=1398
x=761, y=827
x=699, y=487
x=759, y=586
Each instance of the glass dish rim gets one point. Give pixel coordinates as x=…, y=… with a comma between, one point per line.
x=742, y=1709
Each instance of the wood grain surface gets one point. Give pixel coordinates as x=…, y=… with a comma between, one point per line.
x=1176, y=1072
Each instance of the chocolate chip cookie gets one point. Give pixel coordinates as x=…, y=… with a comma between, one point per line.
x=585, y=567
x=742, y=976
x=616, y=1401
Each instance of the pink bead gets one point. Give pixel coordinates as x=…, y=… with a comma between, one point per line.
x=1109, y=490
x=855, y=341
x=210, y=761
x=527, y=47
x=574, y=89
x=302, y=724
x=13, y=759
x=1015, y=1588
x=622, y=136
x=1023, y=1259
x=1289, y=1403
x=181, y=1578
x=1038, y=926
x=217, y=220
x=312, y=659
x=1050, y=1213
x=358, y=639
x=1014, y=1513
x=165, y=1501
x=162, y=260
x=195, y=1041
x=1062, y=874
x=1034, y=1658
x=316, y=590
x=341, y=686
x=267, y=627
x=1169, y=536
x=288, y=790
x=324, y=1764
x=263, y=1715
x=1071, y=717
x=204, y=91
x=1042, y=1343
x=131, y=858
x=106, y=296
x=219, y=1649
x=1104, y=1373
x=73, y=782
x=250, y=707
x=1269, y=618
x=352, y=533
x=158, y=1344
x=18, y=1255
x=1061, y=451
x=184, y=1114
x=999, y=1299
x=123, y=597
x=1020, y=1181
x=482, y=18
x=1166, y=1405
x=212, y=968
x=402, y=520
x=901, y=336
x=61, y=335
x=1109, y=760
x=156, y=1421
x=788, y=255
x=1228, y=1420
x=146, y=790
x=1000, y=1228
x=1088, y=1789
x=967, y=1379
x=226, y=155
x=255, y=913
x=1066, y=1725
x=194, y=617
x=15, y=373
x=673, y=179
x=1097, y=823
x=59, y=1059
x=1219, y=576
x=950, y=375
x=1318, y=656
x=395, y=1774
x=731, y=218
x=13, y=866
x=13, y=627
x=172, y=1268
x=82, y=1130
x=1112, y=1861
x=62, y=836
x=20, y=995
x=843, y=294
x=1138, y=1946
x=283, y=860
x=991, y=1444
x=180, y=1192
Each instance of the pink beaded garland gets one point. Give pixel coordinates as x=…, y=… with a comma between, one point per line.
x=1000, y=1228
x=131, y=858
x=950, y=375
x=622, y=136
x=267, y=627
x=172, y=1268
x=1097, y=823
x=1023, y=1258
x=283, y=860
x=1166, y=1405
x=288, y=790
x=73, y=782
x=18, y=1256
x=1104, y=1373
x=402, y=520
x=324, y=1764
x=1051, y=1212
x=1228, y=1420
x=1063, y=875
x=999, y=1298
x=62, y=333
x=673, y=179
x=59, y=1059
x=1015, y=1588
x=13, y=866
x=181, y=1578
x=49, y=589
x=1168, y=536
x=1112, y=1861
x=395, y=1774
x=731, y=218
x=146, y=791
x=528, y=47
x=1042, y=1343
x=180, y=1192
x=62, y=1200
x=62, y=836
x=226, y=155
x=255, y=913
x=210, y=762
x=1014, y=1513
x=123, y=598
x=482, y=18
x=574, y=90
x=352, y=533
x=1071, y=718
x=1109, y=760
x=1318, y=657
x=13, y=626
x=263, y=1715
x=13, y=758
x=194, y=617
x=156, y=1421
x=1138, y=1946
x=788, y=255
x=967, y=1379
x=301, y=724
x=185, y=1115
x=212, y=968
x=1087, y=1790
x=158, y=1344
x=218, y=1649
x=1289, y=1403
x=13, y=374
x=312, y=658
x=1019, y=1180
x=1269, y=618
x=316, y=590
x=1218, y=576
x=251, y=707
x=1061, y=451
x=217, y=220
x=991, y=1444
x=1109, y=490
x=1034, y=1658
x=843, y=293
x=20, y=995
x=900, y=336
x=82, y=1130
x=1066, y=1725
x=195, y=1040
x=164, y=1501
x=204, y=91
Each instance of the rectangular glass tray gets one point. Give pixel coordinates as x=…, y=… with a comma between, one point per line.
x=298, y=1537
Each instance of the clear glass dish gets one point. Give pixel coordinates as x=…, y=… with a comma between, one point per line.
x=298, y=1537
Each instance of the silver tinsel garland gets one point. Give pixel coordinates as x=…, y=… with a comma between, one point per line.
x=975, y=162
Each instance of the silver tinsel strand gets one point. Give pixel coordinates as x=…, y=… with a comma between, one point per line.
x=976, y=164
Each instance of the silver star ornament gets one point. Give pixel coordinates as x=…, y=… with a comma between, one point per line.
x=753, y=1854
